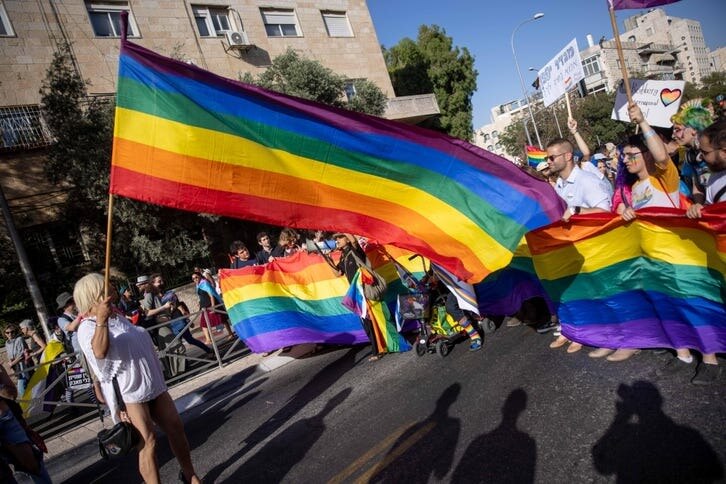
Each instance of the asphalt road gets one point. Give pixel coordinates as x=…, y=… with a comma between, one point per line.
x=514, y=412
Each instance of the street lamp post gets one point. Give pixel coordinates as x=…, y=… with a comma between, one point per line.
x=536, y=16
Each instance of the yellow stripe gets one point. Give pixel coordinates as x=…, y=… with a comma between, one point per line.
x=640, y=238
x=307, y=292
x=396, y=453
x=221, y=147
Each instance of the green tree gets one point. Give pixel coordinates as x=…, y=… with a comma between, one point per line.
x=145, y=237
x=292, y=74
x=433, y=64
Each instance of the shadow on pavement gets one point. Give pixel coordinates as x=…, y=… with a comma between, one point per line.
x=277, y=457
x=424, y=449
x=643, y=444
x=506, y=454
x=322, y=381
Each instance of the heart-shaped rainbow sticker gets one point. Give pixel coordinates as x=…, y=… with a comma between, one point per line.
x=669, y=96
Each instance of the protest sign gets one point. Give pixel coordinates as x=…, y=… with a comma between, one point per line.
x=659, y=100
x=561, y=74
x=78, y=379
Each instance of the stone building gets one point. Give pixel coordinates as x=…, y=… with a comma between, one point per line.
x=227, y=37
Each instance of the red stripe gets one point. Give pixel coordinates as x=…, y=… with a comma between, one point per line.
x=192, y=198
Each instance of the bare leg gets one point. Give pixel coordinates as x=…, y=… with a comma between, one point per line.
x=710, y=359
x=164, y=413
x=684, y=353
x=140, y=417
x=207, y=336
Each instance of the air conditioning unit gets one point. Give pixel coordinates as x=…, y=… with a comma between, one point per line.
x=237, y=39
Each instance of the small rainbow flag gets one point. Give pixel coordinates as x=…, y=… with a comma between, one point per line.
x=299, y=299
x=535, y=156
x=188, y=139
x=656, y=282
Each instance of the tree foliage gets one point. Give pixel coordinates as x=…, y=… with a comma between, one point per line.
x=593, y=117
x=432, y=63
x=293, y=74
x=145, y=237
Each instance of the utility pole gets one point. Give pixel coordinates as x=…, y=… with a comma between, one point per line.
x=30, y=280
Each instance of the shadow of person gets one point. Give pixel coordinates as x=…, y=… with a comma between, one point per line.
x=425, y=448
x=644, y=445
x=317, y=385
x=506, y=454
x=278, y=456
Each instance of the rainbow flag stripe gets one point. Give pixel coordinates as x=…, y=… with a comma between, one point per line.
x=299, y=299
x=659, y=281
x=189, y=139
x=535, y=156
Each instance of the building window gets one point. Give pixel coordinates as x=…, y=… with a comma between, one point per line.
x=337, y=24
x=485, y=137
x=211, y=21
x=490, y=148
x=350, y=91
x=54, y=246
x=6, y=28
x=23, y=127
x=649, y=31
x=106, y=19
x=280, y=23
x=591, y=66
x=495, y=134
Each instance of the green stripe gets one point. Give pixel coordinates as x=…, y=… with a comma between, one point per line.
x=677, y=281
x=139, y=97
x=268, y=305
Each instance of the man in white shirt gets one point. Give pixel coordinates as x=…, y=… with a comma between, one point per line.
x=582, y=191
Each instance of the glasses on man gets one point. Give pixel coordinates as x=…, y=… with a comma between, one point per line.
x=554, y=157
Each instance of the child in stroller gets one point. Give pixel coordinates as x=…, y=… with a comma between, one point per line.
x=442, y=323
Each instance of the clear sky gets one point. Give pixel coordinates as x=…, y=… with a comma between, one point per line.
x=485, y=28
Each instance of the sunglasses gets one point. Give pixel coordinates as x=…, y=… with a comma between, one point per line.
x=554, y=157
x=632, y=156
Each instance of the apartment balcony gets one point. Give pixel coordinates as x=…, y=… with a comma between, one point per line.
x=412, y=109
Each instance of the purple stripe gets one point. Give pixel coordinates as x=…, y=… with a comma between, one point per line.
x=632, y=4
x=294, y=336
x=482, y=160
x=649, y=333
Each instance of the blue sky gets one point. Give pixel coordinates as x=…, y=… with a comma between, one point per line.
x=485, y=28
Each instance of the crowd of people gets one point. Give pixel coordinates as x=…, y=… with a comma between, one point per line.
x=683, y=167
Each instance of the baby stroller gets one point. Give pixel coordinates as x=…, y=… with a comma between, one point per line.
x=438, y=332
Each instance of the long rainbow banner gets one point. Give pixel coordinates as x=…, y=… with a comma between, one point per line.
x=189, y=139
x=659, y=281
x=299, y=299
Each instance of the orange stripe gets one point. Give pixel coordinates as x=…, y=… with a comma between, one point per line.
x=237, y=179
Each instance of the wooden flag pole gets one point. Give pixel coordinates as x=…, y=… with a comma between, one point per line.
x=107, y=270
x=569, y=107
x=619, y=48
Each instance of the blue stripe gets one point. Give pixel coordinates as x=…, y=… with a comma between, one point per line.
x=235, y=102
x=259, y=325
x=637, y=305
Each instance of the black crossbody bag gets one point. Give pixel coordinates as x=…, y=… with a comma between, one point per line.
x=122, y=438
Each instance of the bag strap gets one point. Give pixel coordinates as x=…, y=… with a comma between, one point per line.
x=719, y=194
x=119, y=398
x=668, y=195
x=359, y=261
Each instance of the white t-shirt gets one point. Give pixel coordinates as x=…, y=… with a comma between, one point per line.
x=659, y=190
x=131, y=358
x=716, y=182
x=583, y=189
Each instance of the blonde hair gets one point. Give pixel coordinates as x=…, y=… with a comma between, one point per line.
x=88, y=291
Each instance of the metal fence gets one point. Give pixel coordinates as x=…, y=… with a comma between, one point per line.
x=70, y=372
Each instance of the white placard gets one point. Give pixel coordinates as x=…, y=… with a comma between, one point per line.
x=659, y=100
x=561, y=74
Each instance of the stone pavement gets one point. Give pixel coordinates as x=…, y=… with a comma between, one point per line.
x=186, y=395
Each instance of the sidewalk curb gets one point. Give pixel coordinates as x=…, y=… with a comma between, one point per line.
x=79, y=445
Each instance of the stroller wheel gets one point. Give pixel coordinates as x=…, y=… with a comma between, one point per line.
x=420, y=348
x=442, y=348
x=487, y=325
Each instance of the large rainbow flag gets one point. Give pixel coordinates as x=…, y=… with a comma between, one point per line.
x=189, y=139
x=299, y=299
x=658, y=281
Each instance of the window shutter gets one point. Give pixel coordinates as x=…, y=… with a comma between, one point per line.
x=337, y=25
